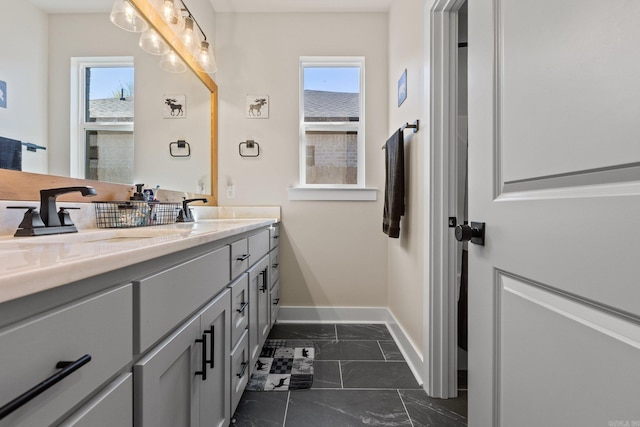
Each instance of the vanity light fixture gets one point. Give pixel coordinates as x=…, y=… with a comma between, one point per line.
x=125, y=16
x=181, y=23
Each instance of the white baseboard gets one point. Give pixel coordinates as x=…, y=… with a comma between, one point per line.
x=412, y=355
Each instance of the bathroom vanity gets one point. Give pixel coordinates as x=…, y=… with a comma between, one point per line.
x=158, y=326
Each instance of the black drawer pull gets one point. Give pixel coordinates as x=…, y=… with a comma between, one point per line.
x=212, y=346
x=243, y=257
x=276, y=301
x=263, y=288
x=243, y=307
x=244, y=368
x=203, y=371
x=274, y=265
x=66, y=368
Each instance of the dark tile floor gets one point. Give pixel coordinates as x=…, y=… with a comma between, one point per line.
x=360, y=378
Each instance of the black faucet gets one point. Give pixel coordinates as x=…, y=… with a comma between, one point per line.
x=185, y=214
x=48, y=221
x=48, y=209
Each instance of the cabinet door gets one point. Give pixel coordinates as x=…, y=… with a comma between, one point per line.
x=167, y=389
x=215, y=389
x=258, y=307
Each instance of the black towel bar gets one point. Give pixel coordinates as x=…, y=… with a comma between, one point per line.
x=415, y=126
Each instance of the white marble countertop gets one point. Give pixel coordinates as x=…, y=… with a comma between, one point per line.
x=34, y=264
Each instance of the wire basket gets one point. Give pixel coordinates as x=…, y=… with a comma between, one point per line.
x=135, y=214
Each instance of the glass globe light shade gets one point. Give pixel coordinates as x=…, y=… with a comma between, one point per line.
x=151, y=42
x=125, y=16
x=172, y=63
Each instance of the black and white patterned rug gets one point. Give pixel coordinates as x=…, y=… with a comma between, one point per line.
x=283, y=365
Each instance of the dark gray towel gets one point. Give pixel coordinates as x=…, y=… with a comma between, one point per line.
x=10, y=154
x=394, y=184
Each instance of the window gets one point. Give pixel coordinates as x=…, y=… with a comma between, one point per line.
x=102, y=119
x=332, y=122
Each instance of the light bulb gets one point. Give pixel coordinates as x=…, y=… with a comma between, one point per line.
x=206, y=61
x=187, y=35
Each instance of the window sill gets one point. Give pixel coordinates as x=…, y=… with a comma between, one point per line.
x=326, y=193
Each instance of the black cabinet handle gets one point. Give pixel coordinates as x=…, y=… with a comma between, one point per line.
x=244, y=368
x=242, y=307
x=212, y=346
x=263, y=288
x=66, y=368
x=274, y=265
x=203, y=371
x=276, y=301
x=243, y=257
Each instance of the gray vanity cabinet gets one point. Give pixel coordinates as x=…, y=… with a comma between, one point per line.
x=97, y=327
x=183, y=381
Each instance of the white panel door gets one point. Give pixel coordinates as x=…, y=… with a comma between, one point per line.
x=554, y=171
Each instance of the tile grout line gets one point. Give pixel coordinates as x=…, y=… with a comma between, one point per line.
x=382, y=351
x=405, y=407
x=340, y=372
x=335, y=328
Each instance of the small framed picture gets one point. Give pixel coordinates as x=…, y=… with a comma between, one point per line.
x=402, y=88
x=174, y=107
x=257, y=106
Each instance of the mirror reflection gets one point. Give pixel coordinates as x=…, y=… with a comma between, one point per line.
x=49, y=102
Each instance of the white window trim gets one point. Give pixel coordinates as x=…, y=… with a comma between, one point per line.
x=357, y=191
x=78, y=125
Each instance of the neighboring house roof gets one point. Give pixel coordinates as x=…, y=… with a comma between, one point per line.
x=112, y=109
x=321, y=106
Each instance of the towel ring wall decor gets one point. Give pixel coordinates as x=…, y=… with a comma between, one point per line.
x=415, y=126
x=249, y=148
x=176, y=148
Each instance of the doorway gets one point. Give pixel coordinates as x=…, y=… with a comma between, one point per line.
x=448, y=108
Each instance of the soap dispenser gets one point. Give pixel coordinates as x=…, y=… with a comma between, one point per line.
x=138, y=195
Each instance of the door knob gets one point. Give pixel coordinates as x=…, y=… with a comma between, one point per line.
x=473, y=233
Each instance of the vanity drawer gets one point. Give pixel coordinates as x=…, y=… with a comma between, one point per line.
x=239, y=307
x=240, y=370
x=240, y=257
x=274, y=266
x=99, y=326
x=274, y=294
x=167, y=298
x=274, y=236
x=258, y=246
x=113, y=406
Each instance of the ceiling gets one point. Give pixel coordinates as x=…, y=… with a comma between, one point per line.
x=221, y=6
